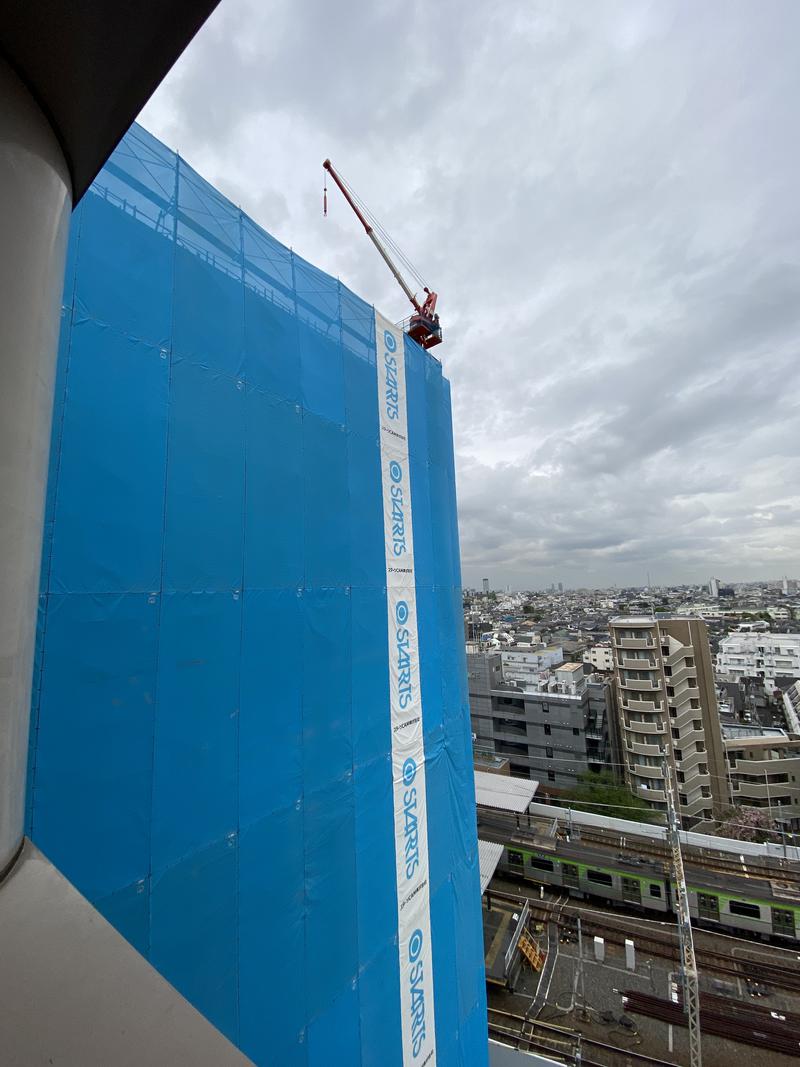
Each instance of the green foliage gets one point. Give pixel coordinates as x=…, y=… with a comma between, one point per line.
x=603, y=795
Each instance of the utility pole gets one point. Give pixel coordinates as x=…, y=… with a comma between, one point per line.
x=581, y=981
x=691, y=991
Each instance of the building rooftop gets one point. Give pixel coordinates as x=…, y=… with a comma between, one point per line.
x=504, y=793
x=732, y=731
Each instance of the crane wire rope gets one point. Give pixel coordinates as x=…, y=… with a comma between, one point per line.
x=384, y=234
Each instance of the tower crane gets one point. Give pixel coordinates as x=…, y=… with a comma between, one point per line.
x=423, y=326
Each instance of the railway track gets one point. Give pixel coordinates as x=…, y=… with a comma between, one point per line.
x=571, y=1046
x=615, y=929
x=785, y=872
x=641, y=846
x=728, y=1020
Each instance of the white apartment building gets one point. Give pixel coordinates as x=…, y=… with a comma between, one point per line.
x=522, y=666
x=601, y=657
x=764, y=771
x=758, y=655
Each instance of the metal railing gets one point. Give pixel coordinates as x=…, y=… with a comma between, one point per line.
x=521, y=925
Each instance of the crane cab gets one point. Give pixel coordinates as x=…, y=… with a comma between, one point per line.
x=426, y=331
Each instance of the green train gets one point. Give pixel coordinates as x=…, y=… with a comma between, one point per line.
x=718, y=901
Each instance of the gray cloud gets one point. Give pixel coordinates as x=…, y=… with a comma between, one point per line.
x=605, y=196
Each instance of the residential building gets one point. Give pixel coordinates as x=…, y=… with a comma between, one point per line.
x=600, y=656
x=764, y=771
x=791, y=707
x=553, y=726
x=522, y=665
x=667, y=706
x=759, y=655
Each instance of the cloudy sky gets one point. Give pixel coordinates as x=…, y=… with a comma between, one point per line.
x=606, y=196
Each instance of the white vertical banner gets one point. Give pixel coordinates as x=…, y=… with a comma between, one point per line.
x=405, y=698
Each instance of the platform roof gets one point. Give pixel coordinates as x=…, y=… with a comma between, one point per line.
x=489, y=855
x=504, y=792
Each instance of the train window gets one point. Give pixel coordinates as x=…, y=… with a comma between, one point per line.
x=708, y=906
x=655, y=889
x=600, y=877
x=540, y=864
x=739, y=907
x=515, y=858
x=783, y=920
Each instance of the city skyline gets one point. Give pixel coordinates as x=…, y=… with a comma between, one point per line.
x=643, y=586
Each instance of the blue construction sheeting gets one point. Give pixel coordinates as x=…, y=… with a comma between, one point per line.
x=210, y=744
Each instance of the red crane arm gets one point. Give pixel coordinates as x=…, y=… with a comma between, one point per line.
x=424, y=325
x=373, y=237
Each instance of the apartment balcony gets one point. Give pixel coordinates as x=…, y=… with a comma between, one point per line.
x=644, y=727
x=643, y=750
x=646, y=772
x=679, y=655
x=651, y=706
x=638, y=664
x=690, y=737
x=680, y=674
x=744, y=791
x=642, y=685
x=634, y=642
x=649, y=793
x=690, y=762
x=502, y=733
x=683, y=717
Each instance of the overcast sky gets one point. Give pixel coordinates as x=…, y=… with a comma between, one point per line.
x=606, y=196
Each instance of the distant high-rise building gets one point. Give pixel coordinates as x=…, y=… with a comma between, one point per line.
x=713, y=588
x=485, y=586
x=667, y=706
x=561, y=587
x=789, y=586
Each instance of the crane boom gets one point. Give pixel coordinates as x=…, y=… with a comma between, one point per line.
x=424, y=323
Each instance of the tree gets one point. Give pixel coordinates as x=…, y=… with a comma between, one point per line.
x=603, y=795
x=747, y=824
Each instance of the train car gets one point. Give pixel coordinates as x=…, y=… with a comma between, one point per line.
x=753, y=907
x=586, y=873
x=725, y=900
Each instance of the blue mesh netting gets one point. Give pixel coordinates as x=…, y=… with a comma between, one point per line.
x=210, y=736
